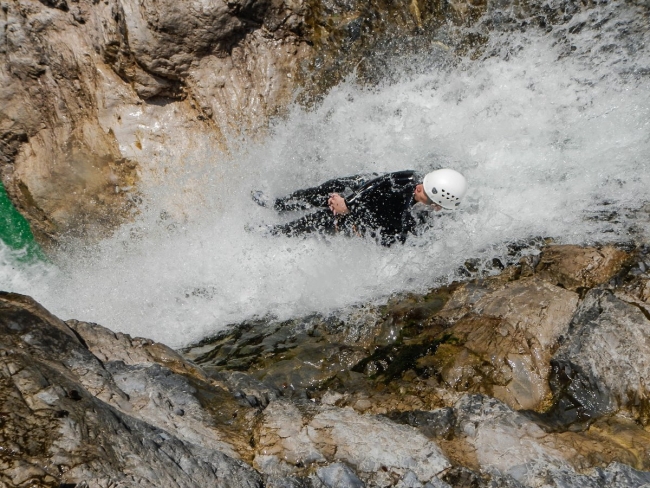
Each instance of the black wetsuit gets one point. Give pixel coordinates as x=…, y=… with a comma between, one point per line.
x=380, y=206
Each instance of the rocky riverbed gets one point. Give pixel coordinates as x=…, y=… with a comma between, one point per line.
x=535, y=376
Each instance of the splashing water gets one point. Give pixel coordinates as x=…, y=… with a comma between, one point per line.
x=551, y=129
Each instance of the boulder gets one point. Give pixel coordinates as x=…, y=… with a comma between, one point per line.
x=291, y=437
x=509, y=444
x=69, y=418
x=504, y=345
x=603, y=365
x=576, y=267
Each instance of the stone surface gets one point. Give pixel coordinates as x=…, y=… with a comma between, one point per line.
x=107, y=346
x=608, y=349
x=67, y=417
x=291, y=437
x=69, y=72
x=59, y=166
x=506, y=342
x=339, y=475
x=508, y=443
x=575, y=267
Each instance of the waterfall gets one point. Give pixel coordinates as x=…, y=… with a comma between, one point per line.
x=551, y=127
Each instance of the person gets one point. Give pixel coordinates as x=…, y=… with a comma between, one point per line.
x=379, y=206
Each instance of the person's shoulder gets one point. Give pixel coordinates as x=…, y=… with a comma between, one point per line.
x=404, y=172
x=405, y=177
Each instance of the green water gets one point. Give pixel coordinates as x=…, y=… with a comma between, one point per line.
x=15, y=231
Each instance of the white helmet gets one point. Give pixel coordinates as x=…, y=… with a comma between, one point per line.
x=446, y=187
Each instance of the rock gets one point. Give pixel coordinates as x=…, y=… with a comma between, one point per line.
x=603, y=365
x=611, y=439
x=575, y=267
x=291, y=356
x=504, y=440
x=618, y=475
x=76, y=77
x=288, y=482
x=338, y=475
x=291, y=437
x=502, y=334
x=383, y=402
x=60, y=167
x=107, y=346
x=508, y=445
x=503, y=343
x=437, y=423
x=66, y=417
x=244, y=386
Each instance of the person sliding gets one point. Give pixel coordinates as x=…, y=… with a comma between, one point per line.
x=373, y=205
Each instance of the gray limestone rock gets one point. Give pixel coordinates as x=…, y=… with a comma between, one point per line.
x=618, y=475
x=293, y=436
x=515, y=452
x=604, y=363
x=338, y=475
x=69, y=418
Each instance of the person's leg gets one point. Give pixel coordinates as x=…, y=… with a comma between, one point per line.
x=322, y=221
x=318, y=195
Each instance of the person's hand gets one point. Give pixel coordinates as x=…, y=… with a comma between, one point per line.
x=337, y=204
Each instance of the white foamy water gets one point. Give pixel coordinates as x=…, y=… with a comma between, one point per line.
x=546, y=141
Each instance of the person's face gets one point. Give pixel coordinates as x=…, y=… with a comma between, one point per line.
x=422, y=197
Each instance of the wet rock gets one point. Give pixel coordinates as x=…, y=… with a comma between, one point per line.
x=307, y=354
x=604, y=363
x=253, y=391
x=299, y=400
x=292, y=436
x=77, y=80
x=107, y=346
x=607, y=440
x=162, y=386
x=288, y=482
x=169, y=401
x=575, y=267
x=437, y=423
x=618, y=475
x=289, y=356
x=503, y=344
x=503, y=440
